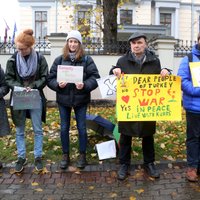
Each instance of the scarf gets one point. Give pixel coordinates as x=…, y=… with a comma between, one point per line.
x=27, y=67
x=72, y=56
x=139, y=60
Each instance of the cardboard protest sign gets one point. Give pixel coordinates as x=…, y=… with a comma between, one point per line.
x=148, y=98
x=23, y=100
x=106, y=150
x=70, y=74
x=107, y=86
x=195, y=72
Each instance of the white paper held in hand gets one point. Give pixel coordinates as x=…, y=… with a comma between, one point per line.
x=70, y=74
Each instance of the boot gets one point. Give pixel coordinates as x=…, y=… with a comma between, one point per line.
x=82, y=162
x=64, y=163
x=151, y=170
x=123, y=172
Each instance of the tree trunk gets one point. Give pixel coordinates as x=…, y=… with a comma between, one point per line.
x=110, y=23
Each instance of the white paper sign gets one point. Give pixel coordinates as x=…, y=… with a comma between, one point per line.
x=107, y=86
x=196, y=72
x=106, y=150
x=70, y=74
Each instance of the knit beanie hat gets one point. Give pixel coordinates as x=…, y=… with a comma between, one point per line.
x=74, y=34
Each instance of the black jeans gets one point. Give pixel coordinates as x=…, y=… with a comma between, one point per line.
x=125, y=143
x=193, y=139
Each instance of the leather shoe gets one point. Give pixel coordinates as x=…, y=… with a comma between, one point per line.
x=65, y=161
x=151, y=170
x=82, y=162
x=123, y=172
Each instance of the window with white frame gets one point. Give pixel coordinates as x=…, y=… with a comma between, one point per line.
x=126, y=16
x=40, y=24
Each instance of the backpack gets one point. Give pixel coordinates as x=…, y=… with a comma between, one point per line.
x=190, y=57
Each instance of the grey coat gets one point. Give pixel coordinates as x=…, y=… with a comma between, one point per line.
x=4, y=124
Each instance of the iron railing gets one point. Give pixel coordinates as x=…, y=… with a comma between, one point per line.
x=182, y=48
x=96, y=46
x=42, y=45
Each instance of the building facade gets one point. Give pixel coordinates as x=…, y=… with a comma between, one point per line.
x=177, y=18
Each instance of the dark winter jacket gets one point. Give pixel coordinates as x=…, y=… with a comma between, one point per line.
x=69, y=95
x=191, y=94
x=13, y=79
x=128, y=65
x=4, y=125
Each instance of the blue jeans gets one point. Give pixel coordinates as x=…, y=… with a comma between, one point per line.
x=65, y=116
x=193, y=139
x=36, y=120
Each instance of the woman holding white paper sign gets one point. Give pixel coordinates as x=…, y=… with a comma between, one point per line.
x=28, y=69
x=74, y=95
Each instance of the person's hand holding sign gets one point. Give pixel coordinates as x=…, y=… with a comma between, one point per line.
x=79, y=86
x=117, y=72
x=62, y=84
x=28, y=89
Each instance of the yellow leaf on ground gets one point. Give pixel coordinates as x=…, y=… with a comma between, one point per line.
x=132, y=198
x=45, y=171
x=139, y=191
x=113, y=195
x=59, y=184
x=34, y=184
x=162, y=145
x=39, y=189
x=77, y=172
x=12, y=171
x=93, y=155
x=72, y=169
x=91, y=187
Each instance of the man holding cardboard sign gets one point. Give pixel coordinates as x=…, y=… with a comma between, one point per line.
x=137, y=61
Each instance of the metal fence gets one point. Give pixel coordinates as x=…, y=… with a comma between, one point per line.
x=96, y=46
x=182, y=48
x=41, y=45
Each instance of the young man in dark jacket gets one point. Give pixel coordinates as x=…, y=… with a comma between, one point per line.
x=139, y=60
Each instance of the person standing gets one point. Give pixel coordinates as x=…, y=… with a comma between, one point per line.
x=74, y=96
x=28, y=69
x=191, y=104
x=4, y=124
x=139, y=60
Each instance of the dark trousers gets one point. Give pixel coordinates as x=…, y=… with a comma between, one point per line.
x=65, y=116
x=193, y=139
x=125, y=149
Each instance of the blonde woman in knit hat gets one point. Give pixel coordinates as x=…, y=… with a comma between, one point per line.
x=74, y=96
x=28, y=69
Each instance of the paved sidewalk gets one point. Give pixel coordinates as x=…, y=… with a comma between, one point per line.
x=97, y=182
